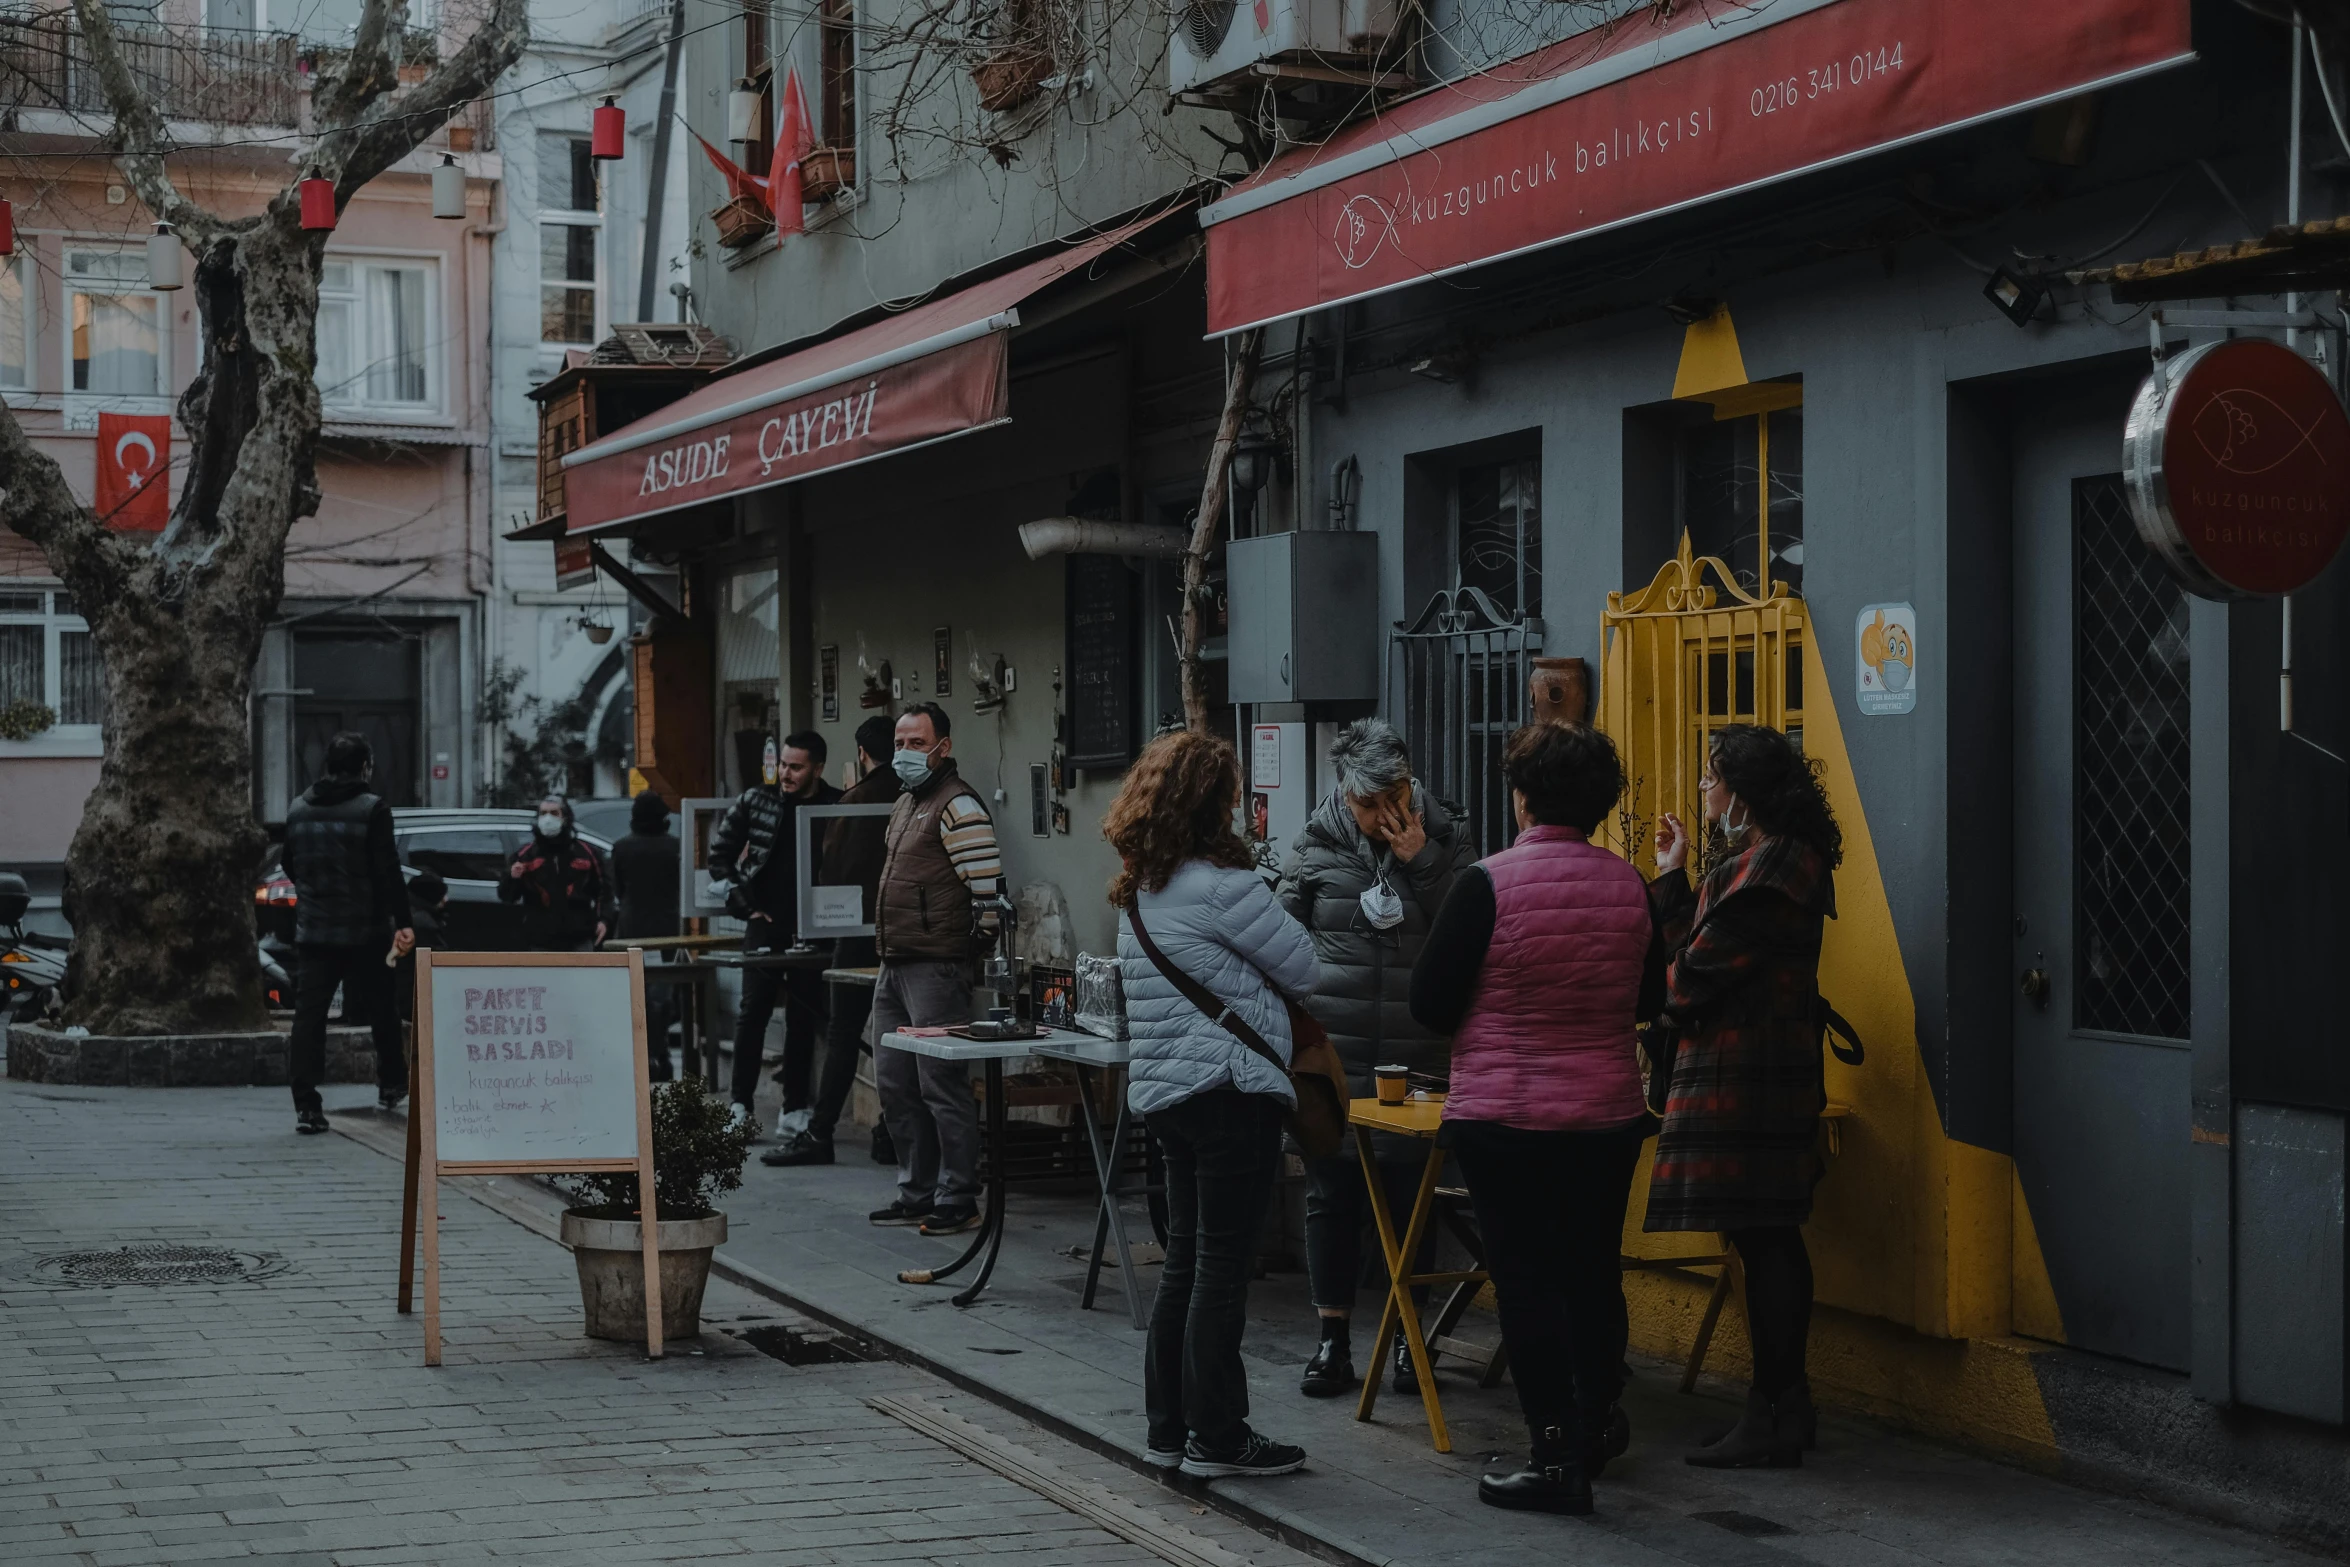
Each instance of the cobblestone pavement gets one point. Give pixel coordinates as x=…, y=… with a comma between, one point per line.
x=289, y=1415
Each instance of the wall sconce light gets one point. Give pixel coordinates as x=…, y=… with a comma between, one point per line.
x=2019, y=298
x=742, y=112
x=1253, y=456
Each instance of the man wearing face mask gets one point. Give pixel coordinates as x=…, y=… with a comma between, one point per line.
x=1365, y=879
x=559, y=879
x=755, y=851
x=939, y=860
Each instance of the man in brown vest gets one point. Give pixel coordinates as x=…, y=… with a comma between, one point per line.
x=939, y=857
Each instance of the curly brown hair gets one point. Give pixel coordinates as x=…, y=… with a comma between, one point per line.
x=1177, y=805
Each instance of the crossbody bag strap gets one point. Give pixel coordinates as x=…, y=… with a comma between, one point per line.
x=1199, y=995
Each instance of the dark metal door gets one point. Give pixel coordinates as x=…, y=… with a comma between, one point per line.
x=369, y=683
x=2101, y=920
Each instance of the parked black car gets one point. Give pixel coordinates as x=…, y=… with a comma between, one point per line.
x=469, y=849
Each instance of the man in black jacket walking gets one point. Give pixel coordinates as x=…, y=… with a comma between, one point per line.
x=755, y=851
x=350, y=917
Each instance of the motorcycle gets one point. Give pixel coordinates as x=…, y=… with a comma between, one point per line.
x=32, y=964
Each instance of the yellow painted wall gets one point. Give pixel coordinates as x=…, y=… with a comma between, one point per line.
x=1924, y=1252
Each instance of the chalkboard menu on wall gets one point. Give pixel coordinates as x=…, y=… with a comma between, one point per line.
x=1103, y=661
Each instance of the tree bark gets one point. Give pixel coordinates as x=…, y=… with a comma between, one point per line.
x=1210, y=522
x=159, y=879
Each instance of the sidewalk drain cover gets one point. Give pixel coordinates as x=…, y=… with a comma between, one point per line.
x=158, y=1264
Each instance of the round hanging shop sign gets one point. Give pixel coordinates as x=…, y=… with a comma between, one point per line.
x=2238, y=465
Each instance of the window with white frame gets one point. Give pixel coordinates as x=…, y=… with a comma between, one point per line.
x=569, y=228
x=48, y=657
x=118, y=344
x=376, y=351
x=16, y=324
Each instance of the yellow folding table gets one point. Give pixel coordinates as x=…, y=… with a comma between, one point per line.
x=1417, y=1117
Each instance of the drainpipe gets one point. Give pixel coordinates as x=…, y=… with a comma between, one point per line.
x=1084, y=536
x=656, y=192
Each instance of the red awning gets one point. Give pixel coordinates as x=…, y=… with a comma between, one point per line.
x=926, y=374
x=1640, y=118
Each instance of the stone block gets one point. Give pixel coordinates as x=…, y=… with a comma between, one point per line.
x=44, y=1055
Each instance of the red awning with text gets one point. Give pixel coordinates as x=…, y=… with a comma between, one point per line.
x=1641, y=118
x=925, y=374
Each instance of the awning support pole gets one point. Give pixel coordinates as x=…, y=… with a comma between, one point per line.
x=633, y=585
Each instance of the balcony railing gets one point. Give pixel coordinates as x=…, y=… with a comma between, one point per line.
x=219, y=77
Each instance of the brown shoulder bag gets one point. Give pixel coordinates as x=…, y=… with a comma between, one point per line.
x=1316, y=1075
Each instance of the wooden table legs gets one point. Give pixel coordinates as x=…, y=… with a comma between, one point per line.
x=1401, y=1281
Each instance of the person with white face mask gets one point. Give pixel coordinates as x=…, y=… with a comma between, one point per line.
x=1365, y=878
x=560, y=880
x=939, y=868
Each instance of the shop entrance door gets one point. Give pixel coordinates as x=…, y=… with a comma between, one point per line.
x=2101, y=966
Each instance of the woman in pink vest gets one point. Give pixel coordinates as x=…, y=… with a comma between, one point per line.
x=1542, y=958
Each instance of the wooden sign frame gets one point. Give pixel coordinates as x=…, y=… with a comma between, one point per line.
x=420, y=1207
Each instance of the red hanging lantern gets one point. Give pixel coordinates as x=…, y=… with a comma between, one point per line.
x=608, y=133
x=7, y=227
x=318, y=203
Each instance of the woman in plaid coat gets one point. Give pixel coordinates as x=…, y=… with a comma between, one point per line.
x=1738, y=1152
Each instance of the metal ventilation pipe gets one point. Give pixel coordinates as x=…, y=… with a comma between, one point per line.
x=1084, y=536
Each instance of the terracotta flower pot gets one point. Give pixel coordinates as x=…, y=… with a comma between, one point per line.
x=827, y=171
x=1010, y=77
x=460, y=138
x=741, y=222
x=610, y=1256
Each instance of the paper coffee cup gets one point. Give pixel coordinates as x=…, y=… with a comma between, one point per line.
x=1392, y=1084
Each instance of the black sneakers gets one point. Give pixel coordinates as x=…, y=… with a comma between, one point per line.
x=950, y=1221
x=310, y=1122
x=901, y=1212
x=1258, y=1455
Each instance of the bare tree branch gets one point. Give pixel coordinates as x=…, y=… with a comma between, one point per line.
x=140, y=134
x=392, y=128
x=1210, y=522
x=370, y=71
x=37, y=504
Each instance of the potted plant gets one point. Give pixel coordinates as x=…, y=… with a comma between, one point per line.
x=742, y=221
x=698, y=1152
x=827, y=171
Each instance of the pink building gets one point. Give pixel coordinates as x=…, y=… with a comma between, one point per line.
x=382, y=622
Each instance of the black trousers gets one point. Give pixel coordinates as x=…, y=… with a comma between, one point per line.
x=849, y=1006
x=1551, y=1206
x=1778, y=1303
x=801, y=992
x=367, y=997
x=1342, y=1244
x=1222, y=1150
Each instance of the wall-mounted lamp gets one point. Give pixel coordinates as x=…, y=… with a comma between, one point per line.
x=2019, y=298
x=742, y=112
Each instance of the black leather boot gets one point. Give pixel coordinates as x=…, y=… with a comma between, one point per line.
x=1553, y=1483
x=1331, y=1371
x=1796, y=1419
x=1755, y=1442
x=1605, y=1437
x=1407, y=1380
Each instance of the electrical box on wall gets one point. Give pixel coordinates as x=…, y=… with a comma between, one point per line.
x=1304, y=617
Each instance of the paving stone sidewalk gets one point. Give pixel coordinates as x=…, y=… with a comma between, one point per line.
x=289, y=1416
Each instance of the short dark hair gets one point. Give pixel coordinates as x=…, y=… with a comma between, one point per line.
x=1569, y=774
x=874, y=737
x=807, y=740
x=940, y=724
x=648, y=812
x=348, y=755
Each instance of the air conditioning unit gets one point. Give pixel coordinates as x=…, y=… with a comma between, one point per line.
x=1217, y=41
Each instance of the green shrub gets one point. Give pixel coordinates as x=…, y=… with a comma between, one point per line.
x=698, y=1153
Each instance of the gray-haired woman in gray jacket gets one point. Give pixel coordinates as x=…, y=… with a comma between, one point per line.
x=1214, y=1104
x=1366, y=879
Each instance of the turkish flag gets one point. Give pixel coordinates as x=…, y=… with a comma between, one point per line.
x=792, y=141
x=134, y=471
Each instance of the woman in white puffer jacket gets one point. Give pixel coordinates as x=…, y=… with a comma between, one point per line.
x=1214, y=1105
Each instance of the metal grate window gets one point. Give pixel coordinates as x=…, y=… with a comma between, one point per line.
x=2130, y=779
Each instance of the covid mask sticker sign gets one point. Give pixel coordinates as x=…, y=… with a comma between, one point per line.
x=1885, y=673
